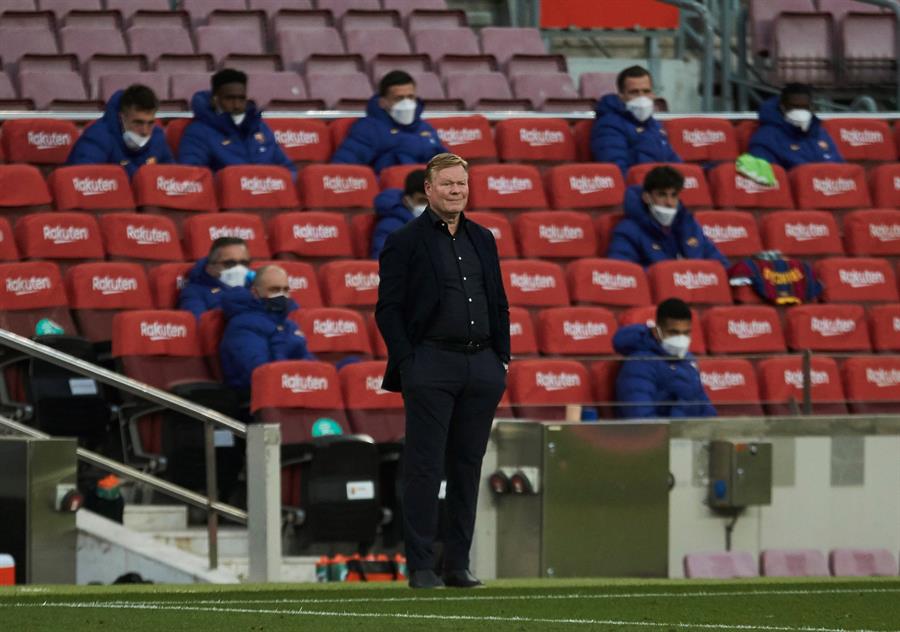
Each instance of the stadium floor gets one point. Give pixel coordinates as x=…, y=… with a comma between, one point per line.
x=827, y=605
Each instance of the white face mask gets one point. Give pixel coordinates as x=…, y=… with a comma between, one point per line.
x=665, y=215
x=418, y=209
x=235, y=276
x=799, y=118
x=133, y=140
x=675, y=345
x=238, y=118
x=641, y=108
x=404, y=112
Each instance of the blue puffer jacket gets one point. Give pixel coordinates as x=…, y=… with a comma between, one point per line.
x=379, y=142
x=214, y=141
x=102, y=143
x=641, y=239
x=254, y=336
x=645, y=383
x=392, y=214
x=202, y=292
x=785, y=144
x=620, y=138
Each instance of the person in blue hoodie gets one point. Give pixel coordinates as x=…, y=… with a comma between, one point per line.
x=659, y=378
x=396, y=207
x=392, y=132
x=624, y=131
x=127, y=135
x=657, y=226
x=228, y=128
x=227, y=266
x=257, y=327
x=789, y=133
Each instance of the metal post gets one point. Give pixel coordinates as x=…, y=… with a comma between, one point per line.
x=212, y=494
x=709, y=43
x=264, y=502
x=726, y=29
x=653, y=62
x=807, y=382
x=743, y=92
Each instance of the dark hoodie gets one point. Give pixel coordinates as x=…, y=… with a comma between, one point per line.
x=392, y=214
x=639, y=238
x=378, y=141
x=785, y=144
x=102, y=143
x=620, y=138
x=213, y=140
x=203, y=292
x=254, y=336
x=644, y=384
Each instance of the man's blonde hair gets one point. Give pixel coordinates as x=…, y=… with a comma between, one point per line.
x=444, y=161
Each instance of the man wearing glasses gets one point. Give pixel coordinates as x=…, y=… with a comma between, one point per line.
x=226, y=267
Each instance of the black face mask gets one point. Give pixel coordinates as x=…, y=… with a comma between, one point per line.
x=276, y=304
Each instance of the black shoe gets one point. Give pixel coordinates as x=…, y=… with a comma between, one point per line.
x=425, y=579
x=461, y=579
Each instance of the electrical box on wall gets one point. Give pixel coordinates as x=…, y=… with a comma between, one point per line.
x=740, y=474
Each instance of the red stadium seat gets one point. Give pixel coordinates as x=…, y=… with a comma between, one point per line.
x=884, y=327
x=467, y=136
x=582, y=131
x=872, y=233
x=700, y=139
x=22, y=191
x=873, y=384
x=301, y=279
x=510, y=187
x=556, y=235
x=576, y=331
x=346, y=187
x=745, y=130
x=210, y=328
x=30, y=292
x=501, y=230
x=8, y=249
x=372, y=410
x=830, y=186
x=744, y=329
x=802, y=233
x=793, y=563
x=295, y=394
x=349, y=283
x=607, y=282
x=646, y=315
x=733, y=232
x=38, y=141
x=378, y=345
x=264, y=189
x=781, y=386
x=140, y=237
x=696, y=281
x=302, y=140
x=310, y=234
x=584, y=185
x=166, y=281
x=730, y=189
x=535, y=140
x=884, y=181
x=857, y=280
x=333, y=333
x=603, y=386
x=91, y=188
x=862, y=563
x=394, y=177
x=176, y=191
x=696, y=190
x=362, y=228
x=862, y=139
x=98, y=291
x=604, y=225
x=532, y=283
x=338, y=130
x=61, y=237
x=175, y=127
x=730, y=384
x=522, y=338
x=827, y=328
x=201, y=230
x=541, y=389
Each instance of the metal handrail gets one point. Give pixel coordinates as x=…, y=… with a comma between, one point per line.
x=709, y=43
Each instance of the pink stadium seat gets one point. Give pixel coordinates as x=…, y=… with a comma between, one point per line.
x=873, y=385
x=555, y=235
x=16, y=41
x=885, y=184
x=296, y=45
x=302, y=140
x=343, y=187
x=128, y=7
x=349, y=283
x=827, y=328
x=584, y=185
x=732, y=190
x=535, y=140
x=87, y=41
x=733, y=232
x=855, y=280
x=61, y=7
x=593, y=85
x=466, y=136
x=140, y=237
x=65, y=238
x=7, y=91
x=161, y=19
x=428, y=85
x=92, y=18
x=371, y=42
x=542, y=87
x=186, y=63
x=743, y=330
x=200, y=9
x=504, y=42
x=271, y=7
x=867, y=42
x=534, y=283
x=500, y=228
x=454, y=64
x=405, y=7
x=29, y=292
x=762, y=15
x=781, y=386
x=505, y=186
x=862, y=563
x=156, y=81
x=830, y=186
x=541, y=389
x=369, y=19
x=574, y=331
x=720, y=565
x=333, y=333
x=95, y=188
x=221, y=41
x=539, y=64
x=413, y=63
x=301, y=279
x=439, y=42
x=804, y=48
x=702, y=139
x=862, y=139
x=522, y=338
x=433, y=17
x=202, y=229
x=474, y=87
x=730, y=384
x=696, y=281
x=372, y=410
x=290, y=19
x=884, y=327
x=607, y=282
x=98, y=291
x=253, y=20
x=802, y=233
x=154, y=41
x=339, y=7
x=793, y=563
x=186, y=85
x=696, y=190
x=45, y=87
x=100, y=66
x=333, y=89
x=310, y=234
x=253, y=64
x=264, y=87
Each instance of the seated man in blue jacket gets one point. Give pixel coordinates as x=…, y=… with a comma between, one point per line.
x=228, y=129
x=225, y=268
x=625, y=132
x=659, y=378
x=789, y=133
x=395, y=207
x=392, y=132
x=257, y=328
x=657, y=226
x=127, y=135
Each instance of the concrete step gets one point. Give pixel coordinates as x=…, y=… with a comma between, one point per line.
x=293, y=569
x=151, y=518
x=232, y=540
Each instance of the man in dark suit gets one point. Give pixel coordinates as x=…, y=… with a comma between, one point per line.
x=444, y=315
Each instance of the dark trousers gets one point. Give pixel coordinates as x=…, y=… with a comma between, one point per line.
x=450, y=399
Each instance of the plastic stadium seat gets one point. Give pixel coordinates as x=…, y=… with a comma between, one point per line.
x=176, y=64
x=522, y=337
x=293, y=18
x=702, y=139
x=762, y=16
x=556, y=235
x=200, y=9
x=696, y=281
x=394, y=177
x=431, y=16
x=369, y=19
x=259, y=189
x=542, y=87
x=593, y=85
x=500, y=228
x=646, y=315
x=873, y=384
x=372, y=410
x=793, y=563
x=607, y=282
x=584, y=185
x=16, y=41
x=343, y=187
x=339, y=7
x=334, y=89
x=802, y=233
x=310, y=234
x=302, y=140
x=8, y=249
x=184, y=85
x=140, y=237
x=847, y=280
x=378, y=345
x=696, y=190
x=804, y=48
x=827, y=328
x=120, y=67
x=221, y=41
x=744, y=329
x=45, y=87
x=734, y=233
x=862, y=563
x=406, y=7
x=862, y=139
x=252, y=19
x=296, y=45
x=301, y=279
x=885, y=185
x=333, y=333
x=201, y=230
x=85, y=41
x=473, y=87
x=441, y=41
x=466, y=136
x=503, y=42
x=166, y=281
x=38, y=141
x=884, y=327
x=830, y=186
x=781, y=386
x=533, y=283
x=731, y=386
x=22, y=191
x=720, y=565
x=541, y=389
x=159, y=347
x=505, y=187
x=868, y=48
x=466, y=65
x=339, y=128
x=575, y=331
x=63, y=237
x=29, y=292
x=541, y=64
x=128, y=7
x=371, y=42
x=732, y=190
x=113, y=81
x=154, y=41
x=415, y=64
x=271, y=7
x=97, y=291
x=91, y=188
x=535, y=140
x=362, y=227
x=349, y=283
x=176, y=191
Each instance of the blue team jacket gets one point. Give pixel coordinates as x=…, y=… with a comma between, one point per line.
x=392, y=214
x=785, y=144
x=202, y=291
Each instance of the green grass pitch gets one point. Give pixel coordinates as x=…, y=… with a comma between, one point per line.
x=827, y=605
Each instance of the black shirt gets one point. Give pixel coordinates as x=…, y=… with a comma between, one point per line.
x=463, y=313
